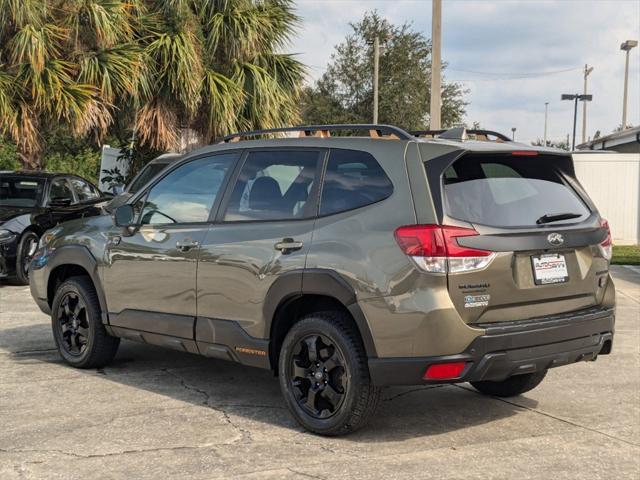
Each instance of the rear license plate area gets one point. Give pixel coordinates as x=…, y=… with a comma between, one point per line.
x=549, y=268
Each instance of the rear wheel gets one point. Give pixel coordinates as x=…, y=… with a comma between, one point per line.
x=324, y=375
x=77, y=326
x=26, y=248
x=512, y=386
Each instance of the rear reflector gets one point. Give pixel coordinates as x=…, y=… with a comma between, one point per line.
x=444, y=371
x=435, y=248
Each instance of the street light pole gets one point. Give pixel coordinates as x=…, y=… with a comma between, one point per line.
x=376, y=70
x=587, y=71
x=626, y=46
x=575, y=98
x=546, y=112
x=513, y=133
x=436, y=33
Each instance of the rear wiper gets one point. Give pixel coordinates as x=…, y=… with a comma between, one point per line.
x=556, y=217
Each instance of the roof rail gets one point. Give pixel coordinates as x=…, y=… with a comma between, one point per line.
x=323, y=131
x=456, y=134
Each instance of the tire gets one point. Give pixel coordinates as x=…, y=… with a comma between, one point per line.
x=512, y=386
x=340, y=392
x=28, y=241
x=83, y=343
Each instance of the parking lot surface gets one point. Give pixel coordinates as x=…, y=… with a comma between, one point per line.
x=156, y=413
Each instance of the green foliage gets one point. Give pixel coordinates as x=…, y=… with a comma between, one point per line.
x=562, y=145
x=85, y=163
x=344, y=94
x=149, y=67
x=9, y=159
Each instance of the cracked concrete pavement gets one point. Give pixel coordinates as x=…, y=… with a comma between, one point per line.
x=156, y=413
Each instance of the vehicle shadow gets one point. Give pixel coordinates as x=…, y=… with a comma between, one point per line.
x=254, y=395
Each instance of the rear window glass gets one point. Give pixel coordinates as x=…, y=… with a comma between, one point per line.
x=20, y=192
x=509, y=191
x=353, y=179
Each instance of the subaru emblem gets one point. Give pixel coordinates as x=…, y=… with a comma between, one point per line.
x=555, y=239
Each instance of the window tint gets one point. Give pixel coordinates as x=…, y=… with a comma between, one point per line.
x=353, y=179
x=186, y=195
x=273, y=185
x=20, y=192
x=60, y=190
x=509, y=191
x=83, y=190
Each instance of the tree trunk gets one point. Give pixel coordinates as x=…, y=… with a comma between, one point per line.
x=30, y=160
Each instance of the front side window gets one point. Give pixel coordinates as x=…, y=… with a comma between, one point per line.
x=149, y=171
x=509, y=191
x=187, y=194
x=60, y=192
x=353, y=179
x=83, y=190
x=274, y=185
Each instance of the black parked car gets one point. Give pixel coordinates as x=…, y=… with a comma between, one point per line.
x=32, y=202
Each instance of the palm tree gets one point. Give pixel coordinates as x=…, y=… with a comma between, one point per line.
x=156, y=66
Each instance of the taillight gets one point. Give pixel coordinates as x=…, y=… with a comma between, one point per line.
x=606, y=246
x=435, y=248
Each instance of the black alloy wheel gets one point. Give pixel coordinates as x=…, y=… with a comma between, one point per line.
x=318, y=376
x=73, y=324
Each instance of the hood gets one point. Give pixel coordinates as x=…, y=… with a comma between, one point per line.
x=8, y=212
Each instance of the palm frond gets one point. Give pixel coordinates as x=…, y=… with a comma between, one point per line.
x=222, y=100
x=157, y=125
x=16, y=14
x=178, y=67
x=35, y=45
x=101, y=23
x=8, y=96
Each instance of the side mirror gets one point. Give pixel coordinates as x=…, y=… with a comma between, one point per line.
x=60, y=202
x=123, y=215
x=117, y=189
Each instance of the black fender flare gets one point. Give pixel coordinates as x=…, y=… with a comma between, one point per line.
x=317, y=281
x=78, y=255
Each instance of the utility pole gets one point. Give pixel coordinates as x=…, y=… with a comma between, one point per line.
x=587, y=71
x=436, y=34
x=626, y=46
x=546, y=112
x=376, y=70
x=513, y=133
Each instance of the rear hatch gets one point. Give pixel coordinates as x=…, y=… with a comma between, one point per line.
x=547, y=245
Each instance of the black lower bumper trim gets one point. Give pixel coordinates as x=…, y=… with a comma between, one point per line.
x=501, y=353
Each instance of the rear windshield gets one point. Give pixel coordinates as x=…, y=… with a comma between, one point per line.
x=20, y=192
x=510, y=191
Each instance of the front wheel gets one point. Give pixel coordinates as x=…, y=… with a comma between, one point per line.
x=512, y=386
x=80, y=336
x=324, y=375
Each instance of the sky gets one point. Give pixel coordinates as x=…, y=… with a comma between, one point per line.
x=488, y=43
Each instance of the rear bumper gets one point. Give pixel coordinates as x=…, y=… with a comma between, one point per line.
x=512, y=348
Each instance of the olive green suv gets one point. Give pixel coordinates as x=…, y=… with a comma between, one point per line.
x=344, y=262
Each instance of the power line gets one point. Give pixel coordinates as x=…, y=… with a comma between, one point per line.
x=518, y=74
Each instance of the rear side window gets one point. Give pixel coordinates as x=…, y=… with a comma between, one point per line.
x=274, y=185
x=353, y=179
x=509, y=191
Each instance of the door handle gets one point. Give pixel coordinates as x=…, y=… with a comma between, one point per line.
x=186, y=245
x=288, y=245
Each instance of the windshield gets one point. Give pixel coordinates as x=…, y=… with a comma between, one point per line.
x=510, y=191
x=149, y=171
x=20, y=191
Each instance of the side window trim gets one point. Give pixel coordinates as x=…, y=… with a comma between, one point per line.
x=312, y=206
x=144, y=194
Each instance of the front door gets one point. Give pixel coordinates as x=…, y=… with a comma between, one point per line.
x=150, y=275
x=264, y=230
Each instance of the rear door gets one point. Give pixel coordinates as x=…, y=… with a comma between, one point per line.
x=545, y=235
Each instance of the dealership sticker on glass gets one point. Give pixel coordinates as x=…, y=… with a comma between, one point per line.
x=549, y=268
